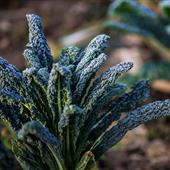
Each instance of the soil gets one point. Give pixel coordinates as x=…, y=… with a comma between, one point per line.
x=136, y=152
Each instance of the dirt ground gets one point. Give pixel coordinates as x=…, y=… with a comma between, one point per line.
x=136, y=152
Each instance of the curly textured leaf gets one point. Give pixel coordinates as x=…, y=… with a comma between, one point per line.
x=11, y=77
x=36, y=129
x=87, y=74
x=124, y=103
x=38, y=42
x=141, y=115
x=95, y=47
x=106, y=80
x=69, y=55
x=59, y=89
x=32, y=58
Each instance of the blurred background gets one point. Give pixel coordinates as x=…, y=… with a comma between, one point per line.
x=140, y=32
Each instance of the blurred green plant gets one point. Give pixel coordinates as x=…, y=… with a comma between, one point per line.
x=152, y=70
x=62, y=116
x=131, y=16
x=137, y=18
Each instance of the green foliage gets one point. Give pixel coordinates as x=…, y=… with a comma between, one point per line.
x=61, y=114
x=131, y=16
x=165, y=7
x=136, y=18
x=152, y=70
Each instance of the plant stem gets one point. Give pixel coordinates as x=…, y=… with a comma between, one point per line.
x=59, y=95
x=57, y=158
x=69, y=162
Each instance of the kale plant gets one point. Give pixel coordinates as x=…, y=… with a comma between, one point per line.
x=137, y=18
x=131, y=16
x=62, y=116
